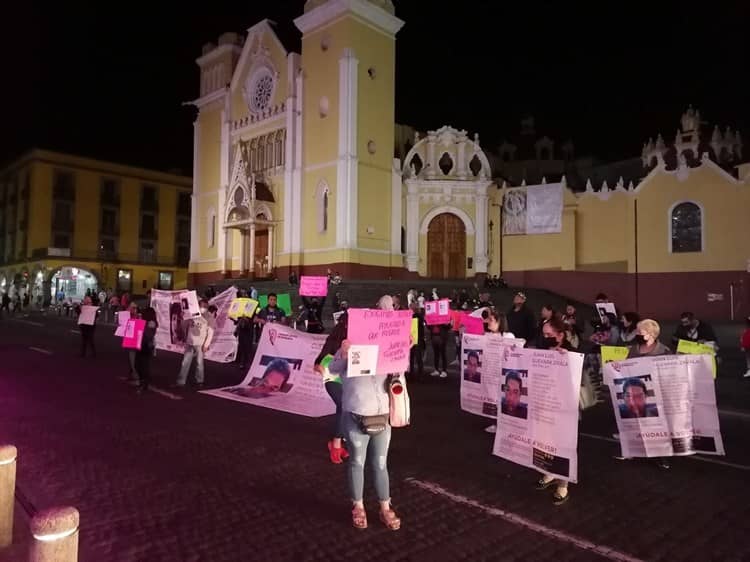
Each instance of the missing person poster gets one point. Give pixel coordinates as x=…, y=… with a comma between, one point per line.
x=537, y=422
x=665, y=405
x=480, y=371
x=174, y=319
x=282, y=376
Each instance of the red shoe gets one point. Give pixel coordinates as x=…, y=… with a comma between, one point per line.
x=344, y=454
x=335, y=453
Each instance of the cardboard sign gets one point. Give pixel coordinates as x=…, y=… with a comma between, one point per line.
x=133, y=335
x=313, y=286
x=87, y=316
x=387, y=329
x=242, y=307
x=122, y=320
x=473, y=325
x=613, y=353
x=686, y=347
x=602, y=308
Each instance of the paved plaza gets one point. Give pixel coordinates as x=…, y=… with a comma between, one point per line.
x=190, y=477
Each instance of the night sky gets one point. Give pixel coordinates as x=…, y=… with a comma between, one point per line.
x=109, y=84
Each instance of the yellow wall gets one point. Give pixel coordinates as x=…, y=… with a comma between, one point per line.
x=209, y=123
x=41, y=202
x=86, y=218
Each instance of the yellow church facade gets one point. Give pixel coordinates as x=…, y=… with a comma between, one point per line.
x=294, y=169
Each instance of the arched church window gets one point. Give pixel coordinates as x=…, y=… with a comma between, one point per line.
x=279, y=149
x=253, y=155
x=261, y=155
x=686, y=226
x=445, y=163
x=270, y=156
x=475, y=165
x=416, y=164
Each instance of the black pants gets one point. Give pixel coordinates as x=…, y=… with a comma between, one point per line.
x=439, y=349
x=143, y=367
x=87, y=339
x=416, y=365
x=245, y=348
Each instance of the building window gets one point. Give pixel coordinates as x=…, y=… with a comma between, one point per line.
x=183, y=204
x=148, y=227
x=166, y=280
x=64, y=186
x=322, y=205
x=110, y=193
x=686, y=224
x=109, y=222
x=107, y=248
x=212, y=230
x=183, y=255
x=124, y=280
x=148, y=198
x=183, y=231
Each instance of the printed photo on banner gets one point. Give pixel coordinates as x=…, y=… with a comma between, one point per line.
x=665, y=405
x=636, y=399
x=472, y=365
x=515, y=394
x=281, y=376
x=603, y=308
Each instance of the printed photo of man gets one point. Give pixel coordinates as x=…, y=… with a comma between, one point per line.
x=634, y=405
x=511, y=404
x=471, y=370
x=274, y=381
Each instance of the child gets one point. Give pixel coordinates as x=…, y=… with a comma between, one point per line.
x=745, y=345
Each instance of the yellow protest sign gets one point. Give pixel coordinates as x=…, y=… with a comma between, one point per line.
x=242, y=307
x=613, y=353
x=414, y=331
x=686, y=347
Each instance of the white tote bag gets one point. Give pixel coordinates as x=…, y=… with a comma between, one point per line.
x=400, y=409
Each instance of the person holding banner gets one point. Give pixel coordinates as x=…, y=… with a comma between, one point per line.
x=497, y=323
x=553, y=337
x=87, y=330
x=366, y=408
x=133, y=314
x=198, y=332
x=148, y=344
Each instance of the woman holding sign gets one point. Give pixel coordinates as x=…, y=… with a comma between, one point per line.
x=497, y=323
x=365, y=420
x=553, y=337
x=144, y=355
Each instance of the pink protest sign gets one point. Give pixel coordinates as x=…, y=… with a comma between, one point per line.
x=390, y=330
x=311, y=286
x=133, y=335
x=472, y=325
x=437, y=312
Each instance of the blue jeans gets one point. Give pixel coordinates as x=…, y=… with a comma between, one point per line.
x=187, y=361
x=360, y=444
x=334, y=390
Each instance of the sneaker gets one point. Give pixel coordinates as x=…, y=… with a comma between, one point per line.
x=491, y=428
x=616, y=436
x=435, y=373
x=443, y=375
x=663, y=464
x=454, y=362
x=746, y=375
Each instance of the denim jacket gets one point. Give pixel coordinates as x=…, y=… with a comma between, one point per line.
x=366, y=396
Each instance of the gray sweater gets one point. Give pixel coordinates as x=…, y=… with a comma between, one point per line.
x=366, y=396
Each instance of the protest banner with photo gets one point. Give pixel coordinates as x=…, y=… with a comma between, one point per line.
x=665, y=405
x=537, y=422
x=170, y=314
x=133, y=334
x=313, y=286
x=390, y=330
x=283, y=301
x=87, y=317
x=480, y=371
x=602, y=308
x=282, y=376
x=534, y=209
x=437, y=312
x=242, y=307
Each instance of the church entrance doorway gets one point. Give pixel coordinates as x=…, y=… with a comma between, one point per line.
x=260, y=259
x=446, y=247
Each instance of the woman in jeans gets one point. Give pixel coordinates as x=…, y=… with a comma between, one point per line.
x=366, y=396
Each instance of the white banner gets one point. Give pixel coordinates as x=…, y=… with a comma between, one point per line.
x=537, y=423
x=665, y=405
x=534, y=209
x=480, y=371
x=281, y=376
x=172, y=312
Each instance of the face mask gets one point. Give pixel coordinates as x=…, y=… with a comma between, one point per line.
x=549, y=342
x=203, y=310
x=639, y=339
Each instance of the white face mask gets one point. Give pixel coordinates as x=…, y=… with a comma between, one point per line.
x=203, y=310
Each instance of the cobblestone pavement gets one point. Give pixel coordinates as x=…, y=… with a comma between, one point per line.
x=202, y=478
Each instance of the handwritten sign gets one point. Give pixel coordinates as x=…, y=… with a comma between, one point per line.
x=362, y=360
x=437, y=312
x=389, y=330
x=613, y=353
x=122, y=320
x=87, y=316
x=133, y=335
x=686, y=347
x=473, y=325
x=313, y=286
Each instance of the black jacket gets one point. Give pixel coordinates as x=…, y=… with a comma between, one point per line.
x=521, y=323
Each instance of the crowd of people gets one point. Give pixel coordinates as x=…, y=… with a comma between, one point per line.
x=360, y=429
